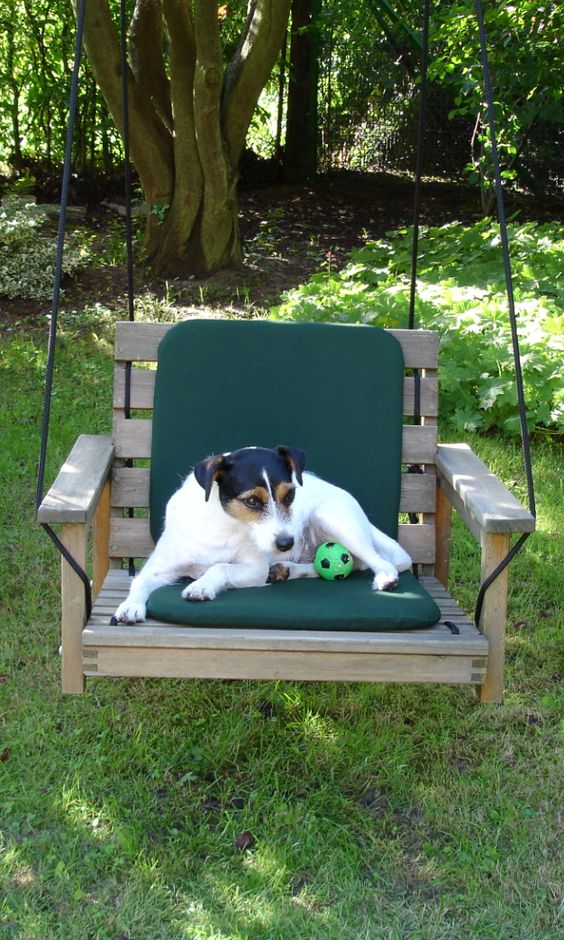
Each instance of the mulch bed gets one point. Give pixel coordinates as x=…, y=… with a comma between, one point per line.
x=288, y=232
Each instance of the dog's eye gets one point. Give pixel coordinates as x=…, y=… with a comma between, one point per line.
x=289, y=498
x=253, y=502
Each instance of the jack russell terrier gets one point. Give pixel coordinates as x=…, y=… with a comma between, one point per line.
x=250, y=517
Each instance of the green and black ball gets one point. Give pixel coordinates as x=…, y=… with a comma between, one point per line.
x=333, y=561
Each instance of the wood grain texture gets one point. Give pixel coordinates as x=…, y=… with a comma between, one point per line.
x=485, y=503
x=279, y=665
x=443, y=521
x=154, y=633
x=132, y=538
x=139, y=342
x=79, y=483
x=494, y=615
x=100, y=540
x=73, y=609
x=142, y=391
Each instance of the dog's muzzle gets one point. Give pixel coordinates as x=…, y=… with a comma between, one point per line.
x=284, y=543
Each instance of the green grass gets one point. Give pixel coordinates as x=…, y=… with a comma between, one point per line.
x=375, y=811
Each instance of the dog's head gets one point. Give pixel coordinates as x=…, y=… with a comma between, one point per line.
x=257, y=486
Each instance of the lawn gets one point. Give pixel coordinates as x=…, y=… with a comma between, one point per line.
x=266, y=811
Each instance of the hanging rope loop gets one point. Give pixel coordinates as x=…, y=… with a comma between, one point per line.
x=525, y=442
x=52, y=341
x=488, y=94
x=58, y=272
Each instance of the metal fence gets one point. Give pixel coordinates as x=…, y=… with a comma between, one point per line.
x=373, y=125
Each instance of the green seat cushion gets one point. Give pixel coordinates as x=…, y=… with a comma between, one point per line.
x=335, y=391
x=312, y=604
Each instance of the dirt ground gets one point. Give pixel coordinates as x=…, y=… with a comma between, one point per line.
x=287, y=232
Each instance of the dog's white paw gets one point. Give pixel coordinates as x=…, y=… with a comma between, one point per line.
x=385, y=579
x=199, y=591
x=130, y=612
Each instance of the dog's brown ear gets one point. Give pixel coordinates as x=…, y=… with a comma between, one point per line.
x=210, y=470
x=296, y=458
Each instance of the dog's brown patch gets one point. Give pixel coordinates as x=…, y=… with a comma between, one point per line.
x=281, y=492
x=257, y=492
x=239, y=509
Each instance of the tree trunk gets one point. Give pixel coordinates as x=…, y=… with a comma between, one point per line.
x=300, y=152
x=188, y=118
x=16, y=156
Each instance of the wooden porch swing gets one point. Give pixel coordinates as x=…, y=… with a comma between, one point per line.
x=105, y=487
x=95, y=488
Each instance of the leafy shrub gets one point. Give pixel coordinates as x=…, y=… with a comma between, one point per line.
x=461, y=293
x=28, y=250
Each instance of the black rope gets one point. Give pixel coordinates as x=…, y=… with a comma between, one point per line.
x=419, y=160
x=65, y=186
x=512, y=313
x=126, y=159
x=417, y=198
x=128, y=218
x=416, y=468
x=58, y=274
x=507, y=271
x=51, y=348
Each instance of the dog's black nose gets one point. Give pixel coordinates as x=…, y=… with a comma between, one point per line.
x=284, y=543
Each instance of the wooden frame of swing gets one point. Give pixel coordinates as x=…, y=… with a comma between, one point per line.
x=95, y=488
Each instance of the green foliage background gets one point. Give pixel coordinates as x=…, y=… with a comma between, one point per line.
x=460, y=293
x=369, y=66
x=525, y=57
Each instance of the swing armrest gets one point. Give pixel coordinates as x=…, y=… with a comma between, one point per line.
x=74, y=495
x=485, y=504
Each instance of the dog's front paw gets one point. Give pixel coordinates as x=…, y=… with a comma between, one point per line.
x=278, y=572
x=385, y=579
x=130, y=612
x=199, y=591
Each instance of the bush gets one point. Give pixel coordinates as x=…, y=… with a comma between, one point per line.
x=461, y=293
x=28, y=251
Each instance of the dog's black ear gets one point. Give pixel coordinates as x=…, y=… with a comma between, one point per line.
x=296, y=458
x=209, y=470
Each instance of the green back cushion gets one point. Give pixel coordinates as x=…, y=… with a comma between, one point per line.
x=334, y=391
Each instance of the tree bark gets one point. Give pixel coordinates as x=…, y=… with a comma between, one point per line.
x=300, y=152
x=15, y=102
x=188, y=118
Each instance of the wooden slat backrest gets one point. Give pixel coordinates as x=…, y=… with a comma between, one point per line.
x=137, y=343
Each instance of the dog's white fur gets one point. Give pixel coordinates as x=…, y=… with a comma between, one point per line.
x=202, y=541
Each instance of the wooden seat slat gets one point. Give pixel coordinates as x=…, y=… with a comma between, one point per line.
x=130, y=488
x=142, y=390
x=132, y=439
x=132, y=538
x=139, y=342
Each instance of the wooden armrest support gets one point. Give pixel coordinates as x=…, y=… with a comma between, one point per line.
x=75, y=493
x=483, y=501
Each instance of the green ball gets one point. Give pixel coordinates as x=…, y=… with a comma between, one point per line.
x=333, y=561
